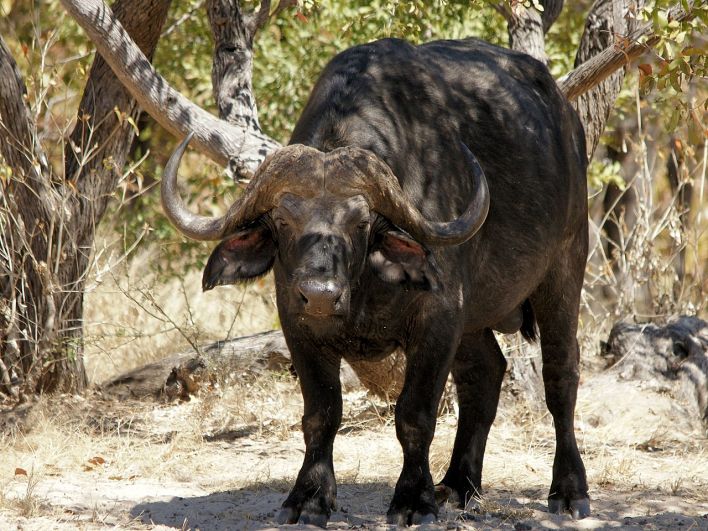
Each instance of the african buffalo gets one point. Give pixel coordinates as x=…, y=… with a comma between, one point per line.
x=429, y=195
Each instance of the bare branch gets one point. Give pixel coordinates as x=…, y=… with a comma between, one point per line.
x=597, y=69
x=551, y=11
x=283, y=5
x=623, y=51
x=259, y=18
x=502, y=8
x=219, y=140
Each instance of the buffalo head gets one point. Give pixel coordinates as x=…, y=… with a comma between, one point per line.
x=325, y=217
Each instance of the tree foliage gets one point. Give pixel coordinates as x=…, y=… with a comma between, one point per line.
x=295, y=47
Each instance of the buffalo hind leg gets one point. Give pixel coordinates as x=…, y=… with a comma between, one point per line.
x=427, y=368
x=312, y=499
x=556, y=304
x=478, y=370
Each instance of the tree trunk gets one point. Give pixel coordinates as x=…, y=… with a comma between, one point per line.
x=231, y=75
x=28, y=202
x=607, y=24
x=527, y=26
x=241, y=151
x=49, y=222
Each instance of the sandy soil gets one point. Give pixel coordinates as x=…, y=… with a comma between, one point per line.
x=226, y=460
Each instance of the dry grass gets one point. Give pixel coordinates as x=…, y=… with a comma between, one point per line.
x=133, y=317
x=98, y=459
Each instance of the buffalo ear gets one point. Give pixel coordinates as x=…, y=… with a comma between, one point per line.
x=399, y=259
x=246, y=255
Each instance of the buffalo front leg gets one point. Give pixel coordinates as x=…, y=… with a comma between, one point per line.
x=478, y=370
x=427, y=367
x=556, y=304
x=312, y=499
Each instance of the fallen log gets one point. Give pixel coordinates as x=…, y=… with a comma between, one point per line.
x=676, y=353
x=184, y=374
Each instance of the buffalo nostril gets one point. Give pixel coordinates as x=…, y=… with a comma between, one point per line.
x=303, y=297
x=320, y=297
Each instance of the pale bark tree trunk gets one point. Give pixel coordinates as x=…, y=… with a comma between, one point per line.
x=231, y=75
x=527, y=26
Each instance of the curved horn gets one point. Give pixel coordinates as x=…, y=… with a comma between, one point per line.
x=388, y=199
x=463, y=228
x=191, y=225
x=290, y=169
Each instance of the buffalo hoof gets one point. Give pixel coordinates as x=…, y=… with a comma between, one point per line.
x=287, y=515
x=445, y=493
x=290, y=515
x=577, y=508
x=403, y=518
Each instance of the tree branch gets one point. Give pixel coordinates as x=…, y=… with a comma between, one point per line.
x=224, y=143
x=259, y=18
x=283, y=5
x=551, y=11
x=605, y=24
x=103, y=131
x=595, y=70
x=527, y=26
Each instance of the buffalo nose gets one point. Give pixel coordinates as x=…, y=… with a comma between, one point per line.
x=320, y=297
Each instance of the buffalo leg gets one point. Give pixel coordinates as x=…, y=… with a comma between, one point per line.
x=556, y=304
x=427, y=368
x=478, y=370
x=312, y=498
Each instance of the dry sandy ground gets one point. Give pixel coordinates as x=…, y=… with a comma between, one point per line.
x=225, y=460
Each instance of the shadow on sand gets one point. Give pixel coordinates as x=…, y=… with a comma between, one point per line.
x=364, y=505
x=256, y=507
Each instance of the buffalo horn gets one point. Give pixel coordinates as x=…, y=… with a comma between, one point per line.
x=191, y=225
x=286, y=169
x=389, y=200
